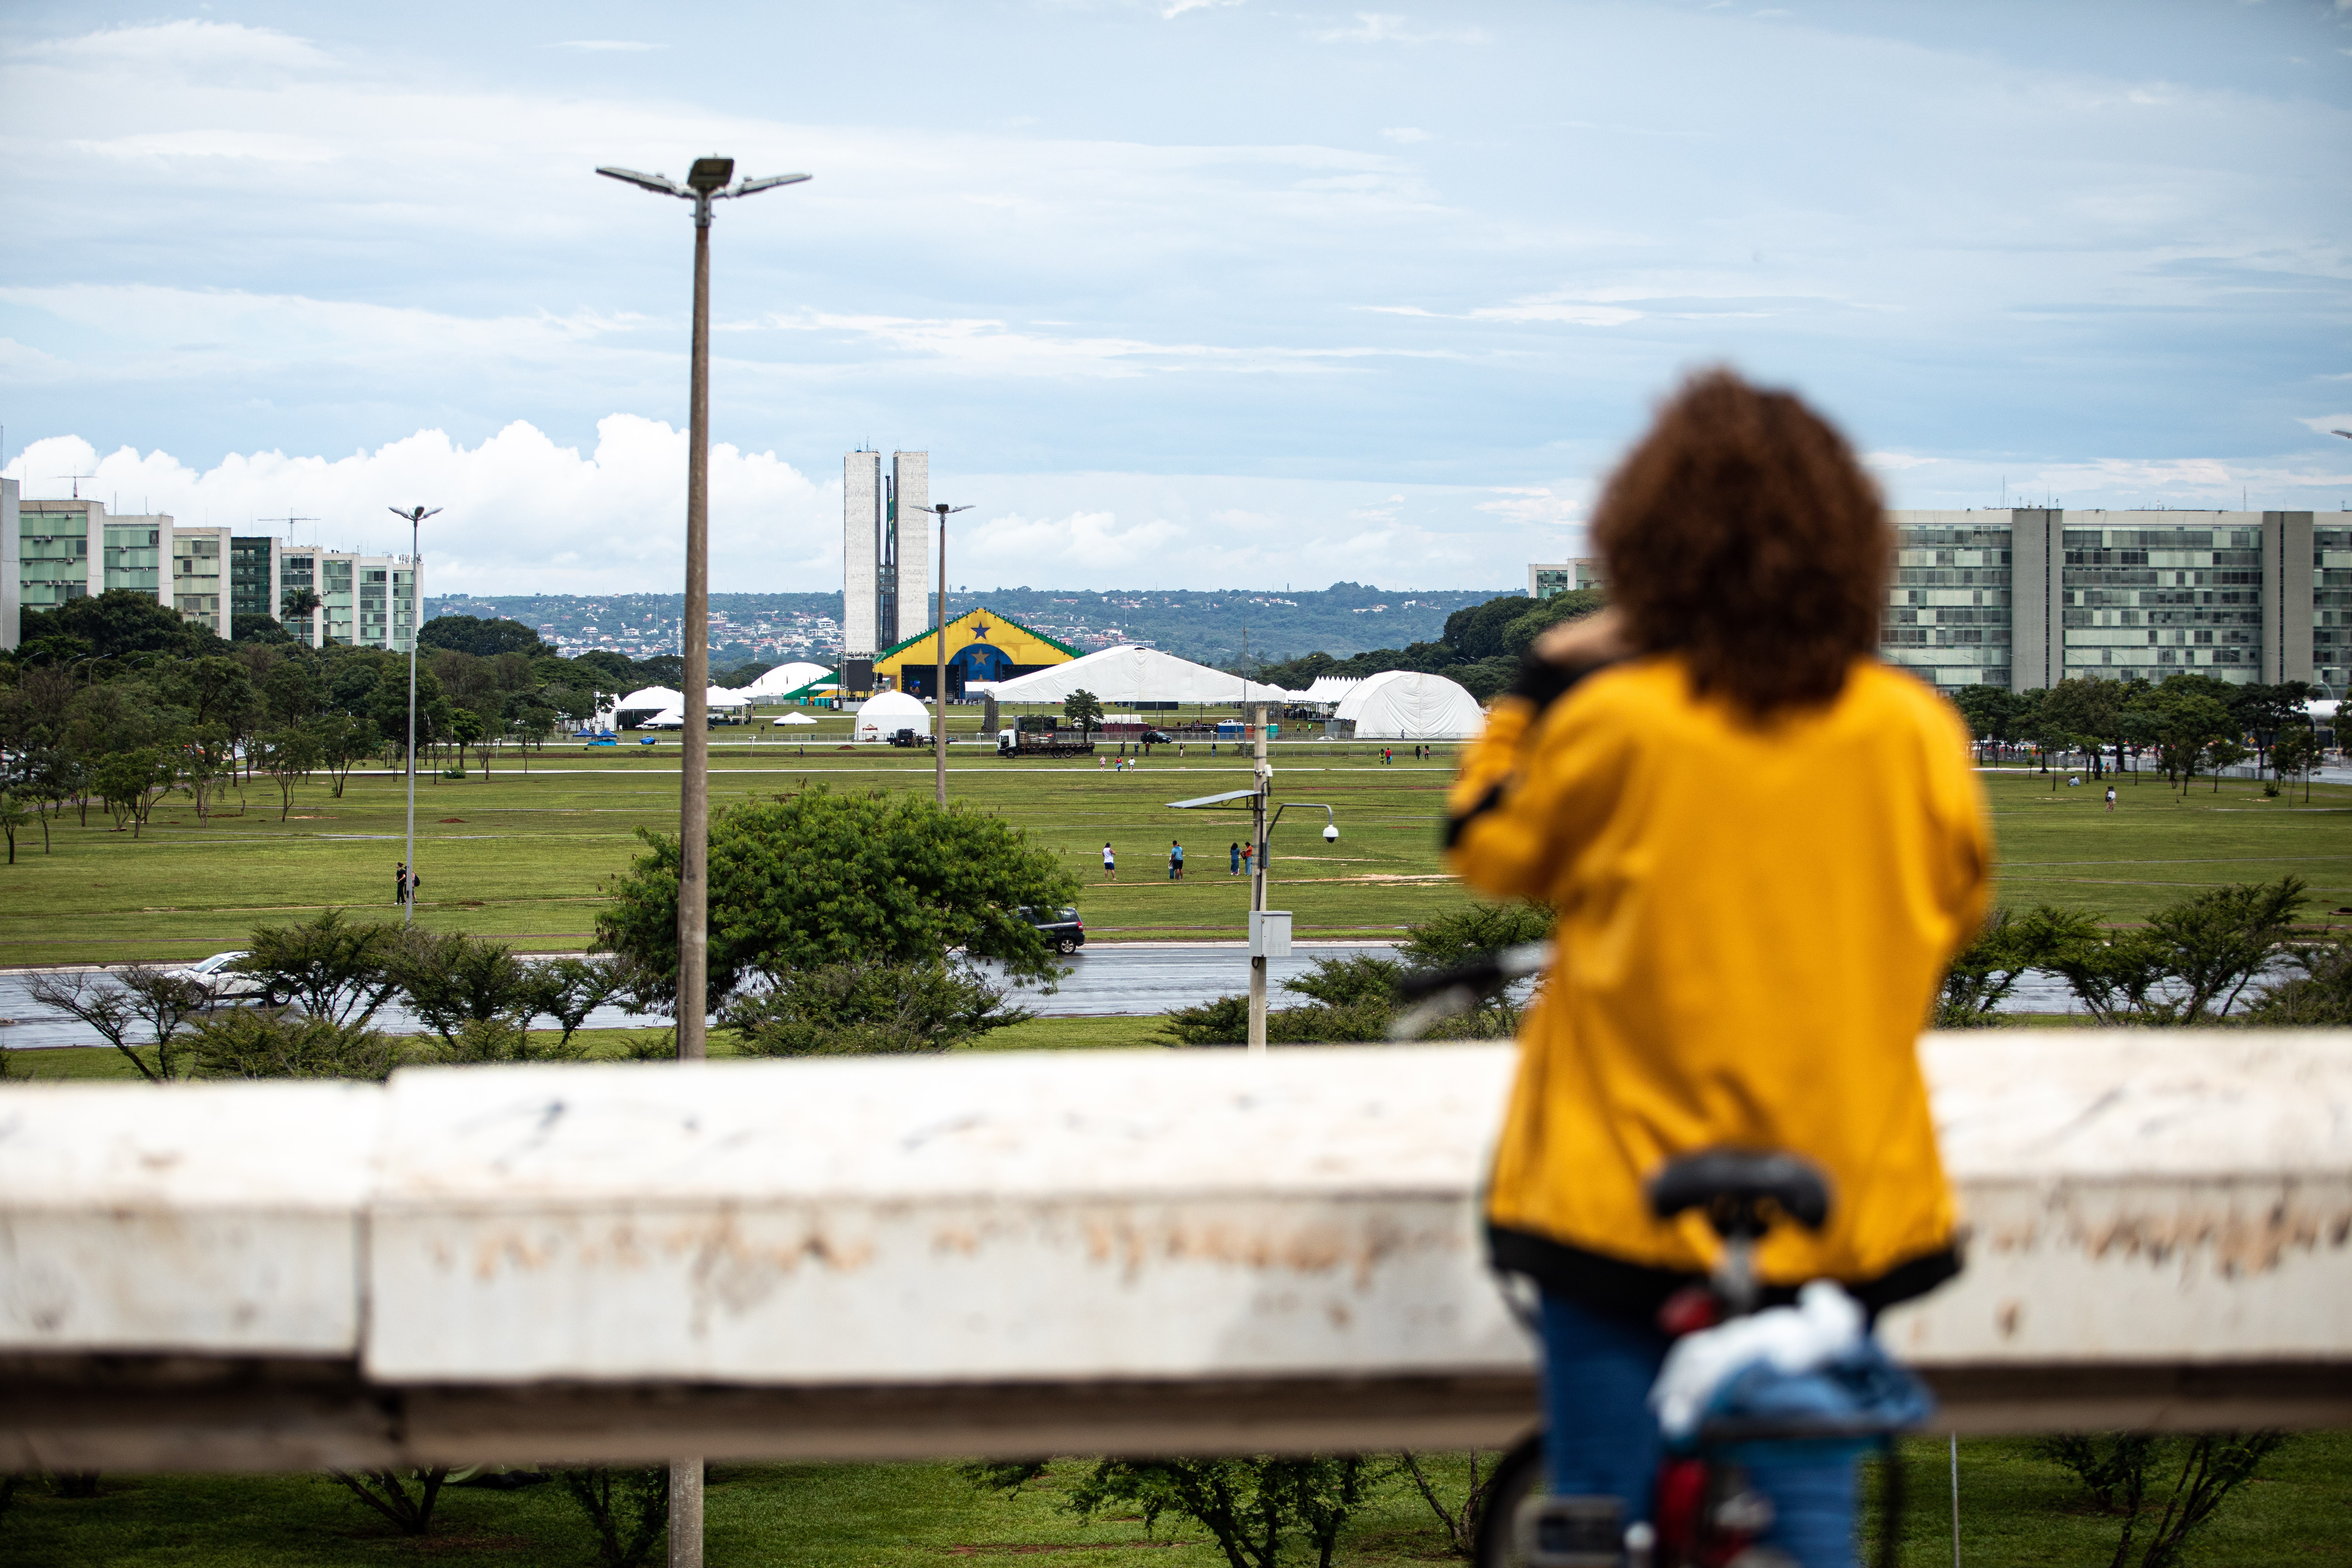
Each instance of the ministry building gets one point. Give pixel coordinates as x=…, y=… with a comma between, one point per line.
x=64, y=550
x=2026, y=597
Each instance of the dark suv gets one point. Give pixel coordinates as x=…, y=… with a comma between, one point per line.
x=1063, y=928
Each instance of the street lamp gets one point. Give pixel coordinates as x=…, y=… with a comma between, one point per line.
x=939, y=693
x=1268, y=938
x=705, y=183
x=415, y=517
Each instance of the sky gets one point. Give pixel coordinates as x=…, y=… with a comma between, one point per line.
x=1177, y=293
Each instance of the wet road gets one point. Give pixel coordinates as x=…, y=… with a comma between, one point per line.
x=1135, y=978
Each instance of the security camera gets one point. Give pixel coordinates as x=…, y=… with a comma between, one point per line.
x=1330, y=833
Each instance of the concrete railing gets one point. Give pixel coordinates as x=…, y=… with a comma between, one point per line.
x=1017, y=1254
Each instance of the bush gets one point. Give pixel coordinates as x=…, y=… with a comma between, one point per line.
x=870, y=1009
x=264, y=1042
x=1460, y=935
x=816, y=878
x=2318, y=998
x=1988, y=969
x=1354, y=1001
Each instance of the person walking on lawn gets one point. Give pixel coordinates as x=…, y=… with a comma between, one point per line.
x=1175, y=861
x=1111, y=863
x=1234, y=850
x=400, y=883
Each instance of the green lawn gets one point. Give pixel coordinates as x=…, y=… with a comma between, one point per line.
x=522, y=856
x=2016, y=1511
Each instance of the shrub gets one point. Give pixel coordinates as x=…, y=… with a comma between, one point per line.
x=870, y=1009
x=2318, y=998
x=1986, y=970
x=1460, y=935
x=264, y=1042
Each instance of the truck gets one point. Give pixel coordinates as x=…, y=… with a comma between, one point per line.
x=1039, y=736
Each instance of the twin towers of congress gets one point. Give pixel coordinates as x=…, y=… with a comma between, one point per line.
x=886, y=582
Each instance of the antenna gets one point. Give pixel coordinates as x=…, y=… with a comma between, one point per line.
x=288, y=521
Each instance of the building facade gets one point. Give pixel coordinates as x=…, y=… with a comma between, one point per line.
x=70, y=549
x=981, y=646
x=885, y=552
x=1549, y=579
x=2025, y=597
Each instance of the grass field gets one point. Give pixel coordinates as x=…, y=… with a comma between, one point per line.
x=522, y=855
x=2016, y=1511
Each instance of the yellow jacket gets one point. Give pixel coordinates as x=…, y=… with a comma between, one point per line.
x=1753, y=924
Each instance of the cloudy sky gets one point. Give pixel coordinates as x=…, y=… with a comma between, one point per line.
x=1200, y=293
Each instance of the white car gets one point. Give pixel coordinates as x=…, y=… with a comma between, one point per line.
x=215, y=975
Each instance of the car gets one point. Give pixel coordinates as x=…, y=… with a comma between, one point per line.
x=1063, y=928
x=219, y=979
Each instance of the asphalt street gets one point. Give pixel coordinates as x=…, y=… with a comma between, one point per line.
x=1132, y=978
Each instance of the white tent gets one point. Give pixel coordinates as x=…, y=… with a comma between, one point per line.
x=886, y=713
x=1407, y=705
x=668, y=719
x=720, y=697
x=1128, y=675
x=795, y=719
x=654, y=697
x=1330, y=688
x=785, y=678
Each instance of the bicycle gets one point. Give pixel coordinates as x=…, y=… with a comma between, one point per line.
x=1705, y=1514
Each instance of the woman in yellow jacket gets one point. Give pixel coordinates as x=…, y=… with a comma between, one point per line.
x=1762, y=847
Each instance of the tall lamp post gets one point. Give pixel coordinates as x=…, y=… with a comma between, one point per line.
x=940, y=692
x=415, y=517
x=705, y=183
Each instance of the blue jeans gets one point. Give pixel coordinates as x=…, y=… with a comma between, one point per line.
x=1601, y=1439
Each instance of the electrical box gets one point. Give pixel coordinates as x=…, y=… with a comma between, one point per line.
x=1269, y=933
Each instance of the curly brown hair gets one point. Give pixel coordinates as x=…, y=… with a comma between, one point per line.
x=1743, y=534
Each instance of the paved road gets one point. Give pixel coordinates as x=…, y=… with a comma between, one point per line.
x=1135, y=978
x=1127, y=978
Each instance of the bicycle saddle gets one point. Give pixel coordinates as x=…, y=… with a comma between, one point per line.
x=1733, y=1185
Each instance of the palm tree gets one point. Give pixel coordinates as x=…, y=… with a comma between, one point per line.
x=298, y=604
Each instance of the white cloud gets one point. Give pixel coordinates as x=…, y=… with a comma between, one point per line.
x=1897, y=460
x=2327, y=424
x=607, y=46
x=518, y=512
x=1391, y=27
x=1405, y=133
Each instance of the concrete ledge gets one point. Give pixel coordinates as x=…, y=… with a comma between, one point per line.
x=1022, y=1253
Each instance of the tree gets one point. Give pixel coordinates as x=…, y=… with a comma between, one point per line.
x=204, y=757
x=628, y=1509
x=466, y=727
x=118, y=623
x=1473, y=931
x=334, y=968
x=386, y=1491
x=138, y=997
x=2296, y=751
x=568, y=989
x=453, y=979
x=2224, y=752
x=2208, y=947
x=2318, y=998
x=1985, y=971
x=870, y=1009
x=1084, y=708
x=13, y=816
x=1460, y=1522
x=288, y=756
x=1988, y=711
x=300, y=604
x=2189, y=722
x=342, y=741
x=252, y=627
x=2085, y=711
x=484, y=638
x=2114, y=1470
x=1246, y=1504
x=817, y=878
x=130, y=782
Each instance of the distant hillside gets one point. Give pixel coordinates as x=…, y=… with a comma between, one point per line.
x=1210, y=627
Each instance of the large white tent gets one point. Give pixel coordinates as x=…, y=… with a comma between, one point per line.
x=1128, y=675
x=886, y=713
x=655, y=698
x=1330, y=688
x=1407, y=705
x=785, y=678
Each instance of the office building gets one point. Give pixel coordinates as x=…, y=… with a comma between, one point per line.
x=2026, y=597
x=208, y=574
x=884, y=558
x=1551, y=578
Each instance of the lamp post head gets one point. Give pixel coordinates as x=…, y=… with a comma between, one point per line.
x=710, y=174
